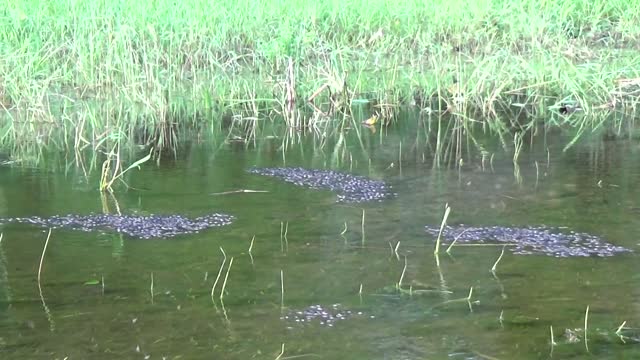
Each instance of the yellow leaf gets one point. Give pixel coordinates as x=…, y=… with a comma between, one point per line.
x=371, y=121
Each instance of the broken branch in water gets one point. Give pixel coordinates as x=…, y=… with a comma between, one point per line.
x=239, y=191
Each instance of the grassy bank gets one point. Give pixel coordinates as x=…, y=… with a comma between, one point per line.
x=79, y=74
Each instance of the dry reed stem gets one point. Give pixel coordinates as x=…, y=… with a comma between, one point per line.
x=46, y=243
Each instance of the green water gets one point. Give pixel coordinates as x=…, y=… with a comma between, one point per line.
x=590, y=188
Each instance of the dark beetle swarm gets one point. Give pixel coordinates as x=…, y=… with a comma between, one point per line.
x=137, y=226
x=322, y=315
x=532, y=240
x=350, y=188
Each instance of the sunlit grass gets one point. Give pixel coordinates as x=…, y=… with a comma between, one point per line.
x=81, y=74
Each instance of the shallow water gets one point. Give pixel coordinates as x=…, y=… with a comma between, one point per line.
x=156, y=300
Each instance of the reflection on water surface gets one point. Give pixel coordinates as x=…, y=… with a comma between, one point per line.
x=106, y=295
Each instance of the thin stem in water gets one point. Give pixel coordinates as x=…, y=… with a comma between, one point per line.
x=46, y=243
x=224, y=283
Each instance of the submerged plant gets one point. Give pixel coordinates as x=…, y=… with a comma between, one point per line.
x=109, y=175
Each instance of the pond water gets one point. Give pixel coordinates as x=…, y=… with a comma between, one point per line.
x=106, y=296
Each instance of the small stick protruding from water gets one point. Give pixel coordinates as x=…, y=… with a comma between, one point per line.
x=548, y=157
x=360, y=291
x=619, y=332
x=553, y=342
x=281, y=353
x=224, y=283
x=224, y=260
x=102, y=285
x=442, y=225
x=344, y=232
x=394, y=250
x=282, y=236
x=239, y=191
x=1, y=235
x=448, y=251
x=363, y=227
x=400, y=157
x=46, y=243
x=518, y=143
x=281, y=289
x=404, y=269
x=151, y=288
x=586, y=320
x=484, y=159
x=251, y=248
x=286, y=240
x=469, y=299
x=495, y=265
x=251, y=245
x=345, y=229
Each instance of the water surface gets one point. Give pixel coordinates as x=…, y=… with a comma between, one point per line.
x=326, y=258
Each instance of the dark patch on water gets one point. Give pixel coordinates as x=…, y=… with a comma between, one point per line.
x=350, y=188
x=137, y=226
x=532, y=240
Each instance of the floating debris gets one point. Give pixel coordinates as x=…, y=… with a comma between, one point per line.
x=532, y=240
x=350, y=188
x=137, y=226
x=326, y=316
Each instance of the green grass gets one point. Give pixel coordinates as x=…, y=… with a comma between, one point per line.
x=88, y=74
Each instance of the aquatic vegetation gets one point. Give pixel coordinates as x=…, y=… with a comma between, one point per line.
x=602, y=336
x=224, y=260
x=137, y=226
x=350, y=188
x=532, y=240
x=79, y=75
x=109, y=176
